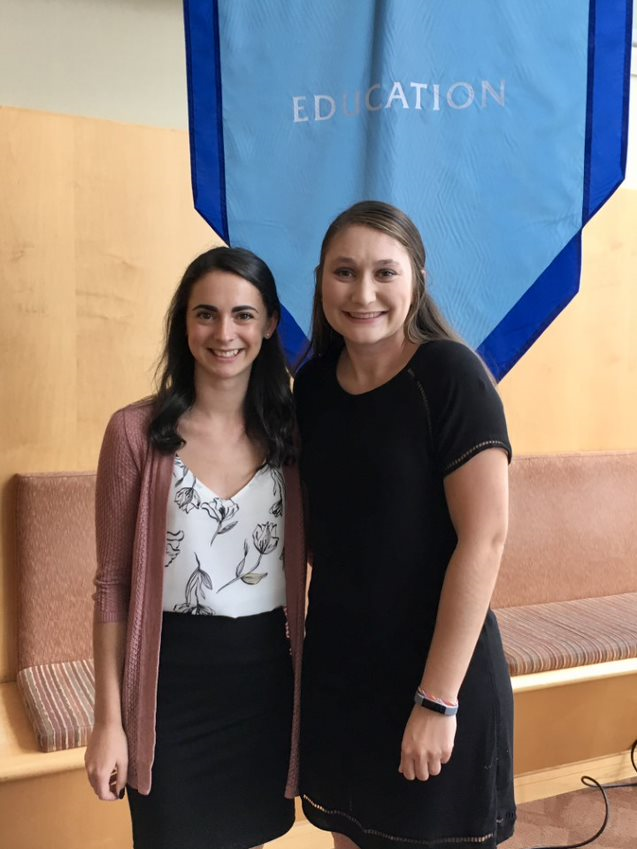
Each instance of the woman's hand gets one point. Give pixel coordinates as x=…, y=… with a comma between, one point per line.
x=427, y=743
x=106, y=761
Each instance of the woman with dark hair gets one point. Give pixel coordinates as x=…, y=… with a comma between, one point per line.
x=406, y=737
x=200, y=557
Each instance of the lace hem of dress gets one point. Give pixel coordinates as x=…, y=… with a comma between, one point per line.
x=414, y=841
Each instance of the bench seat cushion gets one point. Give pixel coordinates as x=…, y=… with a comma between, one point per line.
x=59, y=700
x=558, y=635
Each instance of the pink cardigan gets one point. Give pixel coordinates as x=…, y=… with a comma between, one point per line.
x=133, y=482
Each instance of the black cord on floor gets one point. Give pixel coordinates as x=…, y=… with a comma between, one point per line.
x=592, y=782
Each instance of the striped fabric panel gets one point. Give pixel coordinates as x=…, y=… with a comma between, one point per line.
x=59, y=700
x=559, y=635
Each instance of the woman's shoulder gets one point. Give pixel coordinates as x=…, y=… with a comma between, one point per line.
x=136, y=415
x=445, y=361
x=464, y=406
x=131, y=423
x=447, y=352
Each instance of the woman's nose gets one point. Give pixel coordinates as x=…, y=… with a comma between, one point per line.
x=225, y=327
x=364, y=291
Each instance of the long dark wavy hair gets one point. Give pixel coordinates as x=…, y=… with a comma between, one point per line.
x=268, y=407
x=424, y=321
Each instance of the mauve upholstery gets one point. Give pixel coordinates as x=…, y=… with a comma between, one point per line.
x=572, y=529
x=56, y=566
x=562, y=634
x=59, y=699
x=567, y=590
x=55, y=524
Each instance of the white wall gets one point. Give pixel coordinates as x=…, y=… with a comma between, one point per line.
x=118, y=59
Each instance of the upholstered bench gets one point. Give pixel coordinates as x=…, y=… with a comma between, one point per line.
x=566, y=596
x=45, y=798
x=56, y=564
x=566, y=601
x=567, y=591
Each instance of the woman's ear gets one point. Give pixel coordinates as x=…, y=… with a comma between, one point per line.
x=271, y=326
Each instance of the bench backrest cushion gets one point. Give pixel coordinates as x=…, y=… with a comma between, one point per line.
x=55, y=525
x=572, y=529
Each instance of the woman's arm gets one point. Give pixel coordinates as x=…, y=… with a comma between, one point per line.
x=106, y=756
x=477, y=498
x=116, y=506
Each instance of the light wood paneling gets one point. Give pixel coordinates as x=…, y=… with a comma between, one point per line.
x=137, y=238
x=20, y=756
x=574, y=722
x=575, y=675
x=61, y=812
x=545, y=783
x=303, y=836
x=96, y=227
x=576, y=388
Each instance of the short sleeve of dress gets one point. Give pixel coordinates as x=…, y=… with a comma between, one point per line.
x=465, y=410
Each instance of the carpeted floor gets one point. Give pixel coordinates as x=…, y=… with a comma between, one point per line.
x=576, y=816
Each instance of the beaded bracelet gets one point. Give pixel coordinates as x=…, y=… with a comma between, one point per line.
x=431, y=698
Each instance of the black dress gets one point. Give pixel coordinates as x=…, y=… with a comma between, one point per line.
x=381, y=537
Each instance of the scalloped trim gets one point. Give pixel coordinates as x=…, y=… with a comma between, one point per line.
x=442, y=841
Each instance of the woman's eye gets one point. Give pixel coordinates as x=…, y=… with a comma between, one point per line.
x=386, y=273
x=344, y=273
x=204, y=315
x=244, y=316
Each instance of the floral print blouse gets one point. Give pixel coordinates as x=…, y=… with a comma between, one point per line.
x=224, y=556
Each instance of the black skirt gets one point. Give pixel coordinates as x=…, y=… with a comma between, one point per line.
x=224, y=713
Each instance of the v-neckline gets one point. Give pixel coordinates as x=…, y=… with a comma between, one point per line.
x=214, y=494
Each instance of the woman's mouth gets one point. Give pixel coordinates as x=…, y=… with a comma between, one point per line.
x=364, y=316
x=224, y=354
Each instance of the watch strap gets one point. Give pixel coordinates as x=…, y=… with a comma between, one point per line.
x=437, y=707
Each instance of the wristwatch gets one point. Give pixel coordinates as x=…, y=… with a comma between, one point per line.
x=437, y=707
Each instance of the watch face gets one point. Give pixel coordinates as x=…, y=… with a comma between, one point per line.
x=435, y=706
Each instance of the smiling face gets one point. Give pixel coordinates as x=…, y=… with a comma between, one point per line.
x=226, y=322
x=367, y=286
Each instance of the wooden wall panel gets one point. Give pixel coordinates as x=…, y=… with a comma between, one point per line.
x=139, y=231
x=37, y=323
x=574, y=722
x=60, y=811
x=576, y=388
x=96, y=227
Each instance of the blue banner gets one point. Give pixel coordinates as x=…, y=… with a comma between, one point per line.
x=499, y=126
